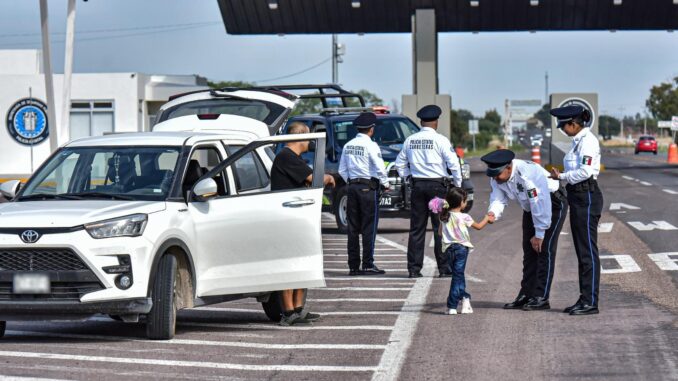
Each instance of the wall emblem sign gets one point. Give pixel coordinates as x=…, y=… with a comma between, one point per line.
x=27, y=121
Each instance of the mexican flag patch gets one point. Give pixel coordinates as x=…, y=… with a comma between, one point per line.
x=586, y=160
x=532, y=193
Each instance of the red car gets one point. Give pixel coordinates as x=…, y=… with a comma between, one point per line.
x=646, y=144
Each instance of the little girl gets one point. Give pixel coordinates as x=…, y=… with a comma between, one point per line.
x=456, y=244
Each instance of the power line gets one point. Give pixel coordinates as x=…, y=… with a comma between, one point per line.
x=108, y=30
x=297, y=73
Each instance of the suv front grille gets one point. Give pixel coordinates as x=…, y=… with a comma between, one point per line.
x=40, y=260
x=59, y=291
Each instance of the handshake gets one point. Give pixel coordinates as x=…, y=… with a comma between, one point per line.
x=491, y=217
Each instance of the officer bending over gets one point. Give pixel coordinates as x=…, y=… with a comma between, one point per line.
x=363, y=169
x=544, y=210
x=426, y=157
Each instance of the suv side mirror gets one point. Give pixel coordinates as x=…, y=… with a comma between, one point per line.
x=9, y=189
x=205, y=188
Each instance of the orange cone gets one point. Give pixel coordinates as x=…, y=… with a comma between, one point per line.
x=673, y=154
x=536, y=154
x=460, y=152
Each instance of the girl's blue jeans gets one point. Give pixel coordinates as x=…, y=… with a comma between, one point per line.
x=457, y=255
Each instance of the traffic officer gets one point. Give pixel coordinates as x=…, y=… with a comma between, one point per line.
x=363, y=169
x=544, y=207
x=426, y=157
x=582, y=166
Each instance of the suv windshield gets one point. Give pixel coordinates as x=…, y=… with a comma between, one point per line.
x=127, y=173
x=267, y=112
x=388, y=131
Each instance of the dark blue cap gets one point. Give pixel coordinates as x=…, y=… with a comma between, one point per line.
x=429, y=113
x=567, y=114
x=365, y=120
x=497, y=161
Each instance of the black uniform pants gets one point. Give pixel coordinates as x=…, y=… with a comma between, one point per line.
x=538, y=267
x=422, y=192
x=363, y=216
x=585, y=210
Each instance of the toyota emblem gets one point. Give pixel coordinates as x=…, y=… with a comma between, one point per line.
x=30, y=236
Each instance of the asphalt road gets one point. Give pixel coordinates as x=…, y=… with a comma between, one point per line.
x=392, y=327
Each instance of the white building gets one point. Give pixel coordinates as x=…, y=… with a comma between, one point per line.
x=100, y=103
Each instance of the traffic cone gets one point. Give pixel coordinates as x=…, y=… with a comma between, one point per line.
x=673, y=154
x=460, y=152
x=536, y=154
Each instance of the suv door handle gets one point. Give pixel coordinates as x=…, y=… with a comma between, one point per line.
x=297, y=203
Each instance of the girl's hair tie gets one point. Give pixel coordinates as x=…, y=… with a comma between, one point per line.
x=437, y=205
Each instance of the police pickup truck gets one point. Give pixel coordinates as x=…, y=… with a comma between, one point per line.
x=390, y=134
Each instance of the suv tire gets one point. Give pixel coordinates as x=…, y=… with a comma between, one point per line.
x=3, y=325
x=274, y=306
x=162, y=320
x=340, y=214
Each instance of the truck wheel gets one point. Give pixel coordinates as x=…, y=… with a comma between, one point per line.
x=3, y=325
x=340, y=213
x=655, y=152
x=162, y=320
x=274, y=306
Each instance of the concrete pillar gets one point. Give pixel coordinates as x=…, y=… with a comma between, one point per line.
x=425, y=70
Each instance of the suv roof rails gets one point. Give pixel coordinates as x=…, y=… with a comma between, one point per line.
x=344, y=110
x=320, y=93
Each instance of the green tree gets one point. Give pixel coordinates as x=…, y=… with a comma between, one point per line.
x=544, y=116
x=608, y=126
x=663, y=100
x=493, y=116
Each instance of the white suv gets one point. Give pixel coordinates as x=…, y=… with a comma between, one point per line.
x=146, y=224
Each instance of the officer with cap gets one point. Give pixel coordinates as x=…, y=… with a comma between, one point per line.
x=544, y=207
x=363, y=169
x=582, y=166
x=427, y=156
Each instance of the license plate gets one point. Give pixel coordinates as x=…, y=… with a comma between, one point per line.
x=31, y=284
x=386, y=201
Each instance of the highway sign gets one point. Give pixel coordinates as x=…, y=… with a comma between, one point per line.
x=674, y=123
x=473, y=127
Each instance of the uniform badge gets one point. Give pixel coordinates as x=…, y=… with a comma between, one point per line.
x=520, y=187
x=532, y=193
x=586, y=160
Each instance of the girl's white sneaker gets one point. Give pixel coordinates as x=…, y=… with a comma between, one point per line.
x=466, y=306
x=451, y=311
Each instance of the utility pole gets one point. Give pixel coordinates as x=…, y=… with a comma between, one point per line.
x=338, y=51
x=546, y=88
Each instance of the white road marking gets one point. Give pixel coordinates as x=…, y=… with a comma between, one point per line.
x=669, y=191
x=664, y=260
x=605, y=227
x=380, y=262
x=296, y=327
x=626, y=262
x=659, y=225
x=187, y=364
x=364, y=288
x=370, y=300
x=344, y=249
x=628, y=177
x=376, y=255
x=331, y=313
x=432, y=243
x=16, y=378
x=369, y=277
x=564, y=233
x=646, y=183
x=401, y=337
x=387, y=270
x=620, y=205
x=237, y=344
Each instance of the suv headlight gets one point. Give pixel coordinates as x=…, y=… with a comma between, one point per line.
x=466, y=171
x=129, y=226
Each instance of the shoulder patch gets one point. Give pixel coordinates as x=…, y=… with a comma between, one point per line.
x=586, y=160
x=532, y=193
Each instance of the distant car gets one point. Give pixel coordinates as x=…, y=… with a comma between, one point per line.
x=646, y=144
x=547, y=132
x=536, y=139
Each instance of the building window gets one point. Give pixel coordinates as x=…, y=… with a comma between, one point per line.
x=91, y=118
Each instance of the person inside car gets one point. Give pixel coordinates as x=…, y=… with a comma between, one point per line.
x=290, y=171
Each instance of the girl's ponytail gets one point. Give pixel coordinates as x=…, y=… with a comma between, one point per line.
x=440, y=207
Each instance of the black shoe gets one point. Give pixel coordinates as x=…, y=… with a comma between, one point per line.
x=415, y=274
x=517, y=304
x=374, y=270
x=573, y=307
x=354, y=272
x=585, y=309
x=310, y=316
x=537, y=303
x=445, y=275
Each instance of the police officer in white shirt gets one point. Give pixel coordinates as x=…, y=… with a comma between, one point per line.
x=427, y=156
x=582, y=166
x=544, y=207
x=363, y=169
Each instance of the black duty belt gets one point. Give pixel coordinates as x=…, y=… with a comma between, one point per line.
x=359, y=181
x=441, y=180
x=373, y=182
x=588, y=185
x=560, y=193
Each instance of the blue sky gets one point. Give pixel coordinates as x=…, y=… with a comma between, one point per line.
x=478, y=70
